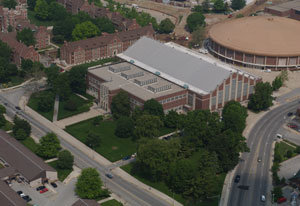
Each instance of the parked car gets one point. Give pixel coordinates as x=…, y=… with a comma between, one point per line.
x=40, y=188
x=237, y=178
x=281, y=200
x=262, y=198
x=27, y=198
x=53, y=184
x=20, y=192
x=290, y=114
x=110, y=176
x=43, y=190
x=291, y=125
x=18, y=108
x=279, y=136
x=259, y=159
x=203, y=51
x=126, y=158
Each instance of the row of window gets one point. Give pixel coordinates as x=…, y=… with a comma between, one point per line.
x=164, y=101
x=135, y=102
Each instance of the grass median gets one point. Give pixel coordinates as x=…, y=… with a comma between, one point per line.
x=61, y=173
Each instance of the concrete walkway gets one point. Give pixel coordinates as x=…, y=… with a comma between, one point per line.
x=56, y=107
x=94, y=112
x=74, y=174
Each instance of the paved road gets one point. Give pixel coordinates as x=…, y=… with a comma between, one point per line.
x=131, y=194
x=257, y=174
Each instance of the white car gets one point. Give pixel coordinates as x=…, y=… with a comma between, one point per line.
x=203, y=51
x=262, y=198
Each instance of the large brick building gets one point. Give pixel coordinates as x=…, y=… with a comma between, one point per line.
x=20, y=51
x=11, y=17
x=289, y=9
x=100, y=47
x=177, y=77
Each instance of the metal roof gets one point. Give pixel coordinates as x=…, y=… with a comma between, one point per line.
x=176, y=65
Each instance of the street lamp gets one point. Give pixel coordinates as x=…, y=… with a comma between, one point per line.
x=273, y=197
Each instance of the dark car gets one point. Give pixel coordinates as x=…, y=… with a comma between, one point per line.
x=53, y=184
x=110, y=176
x=40, y=188
x=27, y=198
x=18, y=108
x=19, y=192
x=290, y=114
x=237, y=178
x=126, y=158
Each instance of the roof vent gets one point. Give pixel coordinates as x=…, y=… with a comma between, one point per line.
x=186, y=86
x=131, y=61
x=157, y=73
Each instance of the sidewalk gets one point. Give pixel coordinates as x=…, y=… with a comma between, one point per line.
x=56, y=107
x=94, y=112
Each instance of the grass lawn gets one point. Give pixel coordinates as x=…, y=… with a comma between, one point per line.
x=1, y=166
x=161, y=186
x=111, y=147
x=34, y=20
x=111, y=203
x=282, y=148
x=14, y=80
x=33, y=104
x=83, y=106
x=30, y=144
x=62, y=174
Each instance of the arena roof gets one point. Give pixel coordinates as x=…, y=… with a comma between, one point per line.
x=261, y=35
x=176, y=65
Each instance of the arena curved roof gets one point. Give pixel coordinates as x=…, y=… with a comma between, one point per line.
x=260, y=35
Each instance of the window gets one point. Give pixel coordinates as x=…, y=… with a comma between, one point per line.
x=227, y=87
x=190, y=99
x=220, y=97
x=239, y=90
x=245, y=89
x=233, y=86
x=213, y=101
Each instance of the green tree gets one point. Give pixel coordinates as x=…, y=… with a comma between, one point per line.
x=41, y=9
x=195, y=20
x=26, y=36
x=125, y=127
x=120, y=105
x=61, y=86
x=2, y=109
x=147, y=126
x=93, y=140
x=10, y=28
x=89, y=185
x=49, y=146
x=21, y=124
x=31, y=4
x=166, y=26
x=171, y=120
x=64, y=28
x=219, y=6
x=21, y=134
x=26, y=65
x=277, y=191
x=234, y=116
x=155, y=156
x=277, y=83
x=105, y=25
x=153, y=107
x=238, y=4
x=57, y=12
x=65, y=160
x=85, y=30
x=71, y=104
x=197, y=8
x=136, y=113
x=262, y=97
x=2, y=120
x=11, y=4
x=5, y=51
x=52, y=74
x=198, y=36
x=206, y=6
x=77, y=77
x=46, y=102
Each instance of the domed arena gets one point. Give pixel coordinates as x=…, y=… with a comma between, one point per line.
x=261, y=42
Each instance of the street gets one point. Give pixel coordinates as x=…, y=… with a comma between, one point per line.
x=130, y=193
x=256, y=174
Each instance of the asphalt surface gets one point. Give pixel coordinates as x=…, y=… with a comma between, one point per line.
x=130, y=193
x=256, y=174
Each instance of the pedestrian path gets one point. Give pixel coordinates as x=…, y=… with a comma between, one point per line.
x=56, y=107
x=94, y=112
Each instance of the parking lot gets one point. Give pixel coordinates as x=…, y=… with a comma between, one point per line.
x=62, y=195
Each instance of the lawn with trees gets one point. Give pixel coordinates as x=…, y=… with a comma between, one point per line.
x=111, y=203
x=61, y=173
x=4, y=124
x=192, y=164
x=262, y=98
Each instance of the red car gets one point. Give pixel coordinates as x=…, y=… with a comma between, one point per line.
x=290, y=125
x=281, y=200
x=43, y=190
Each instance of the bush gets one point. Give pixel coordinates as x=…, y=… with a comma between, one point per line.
x=297, y=150
x=21, y=134
x=97, y=120
x=71, y=105
x=289, y=154
x=46, y=102
x=65, y=160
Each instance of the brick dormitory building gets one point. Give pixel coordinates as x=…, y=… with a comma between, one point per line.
x=101, y=47
x=177, y=77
